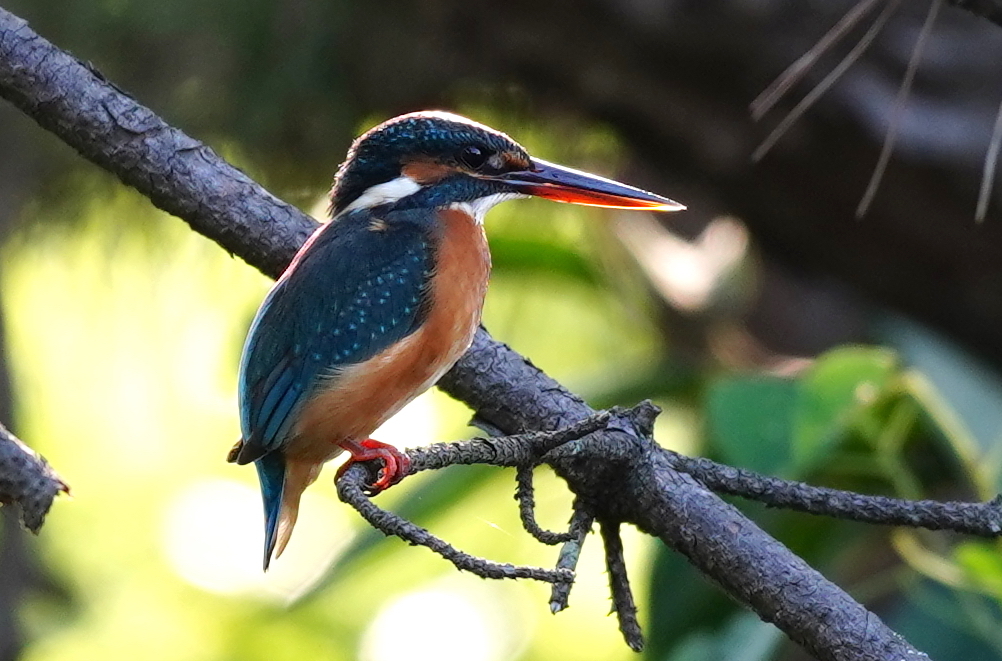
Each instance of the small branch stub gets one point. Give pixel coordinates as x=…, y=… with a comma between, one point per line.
x=581, y=523
x=623, y=604
x=27, y=481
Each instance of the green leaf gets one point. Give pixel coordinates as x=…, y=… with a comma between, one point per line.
x=947, y=624
x=743, y=637
x=841, y=385
x=683, y=607
x=747, y=638
x=528, y=255
x=982, y=565
x=750, y=421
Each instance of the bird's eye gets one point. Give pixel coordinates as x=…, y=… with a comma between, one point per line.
x=473, y=157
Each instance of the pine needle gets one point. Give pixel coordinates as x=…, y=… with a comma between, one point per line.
x=897, y=113
x=827, y=82
x=765, y=101
x=988, y=176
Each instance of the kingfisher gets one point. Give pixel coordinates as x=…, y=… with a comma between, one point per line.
x=382, y=300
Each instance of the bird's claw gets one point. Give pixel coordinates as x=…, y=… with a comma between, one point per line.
x=396, y=464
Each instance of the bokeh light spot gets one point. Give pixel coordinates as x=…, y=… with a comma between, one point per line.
x=436, y=624
x=213, y=535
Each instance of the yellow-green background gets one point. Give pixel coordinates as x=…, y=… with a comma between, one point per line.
x=124, y=331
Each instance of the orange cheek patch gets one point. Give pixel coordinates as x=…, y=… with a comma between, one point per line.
x=425, y=171
x=515, y=161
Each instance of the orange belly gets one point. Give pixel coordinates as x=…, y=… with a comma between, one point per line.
x=363, y=396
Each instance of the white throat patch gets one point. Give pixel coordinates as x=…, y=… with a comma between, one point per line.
x=479, y=207
x=384, y=193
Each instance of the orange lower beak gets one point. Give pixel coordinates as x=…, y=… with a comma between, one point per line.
x=556, y=182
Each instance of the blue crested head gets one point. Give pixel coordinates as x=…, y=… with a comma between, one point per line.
x=424, y=150
x=434, y=159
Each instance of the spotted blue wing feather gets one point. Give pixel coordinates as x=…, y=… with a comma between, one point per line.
x=357, y=288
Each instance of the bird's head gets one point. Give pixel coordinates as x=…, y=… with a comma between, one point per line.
x=438, y=159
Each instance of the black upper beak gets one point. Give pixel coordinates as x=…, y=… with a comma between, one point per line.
x=556, y=182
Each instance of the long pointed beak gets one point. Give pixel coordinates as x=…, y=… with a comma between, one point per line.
x=556, y=182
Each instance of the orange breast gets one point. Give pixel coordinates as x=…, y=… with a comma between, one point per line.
x=364, y=396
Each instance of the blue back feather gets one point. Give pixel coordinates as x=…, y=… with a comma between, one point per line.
x=352, y=292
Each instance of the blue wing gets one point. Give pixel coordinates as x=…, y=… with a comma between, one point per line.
x=360, y=285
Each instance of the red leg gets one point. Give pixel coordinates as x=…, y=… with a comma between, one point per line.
x=396, y=464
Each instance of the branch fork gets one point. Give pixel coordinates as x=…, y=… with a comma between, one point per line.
x=522, y=451
x=618, y=474
x=526, y=451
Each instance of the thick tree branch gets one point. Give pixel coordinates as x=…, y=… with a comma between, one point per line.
x=178, y=173
x=621, y=474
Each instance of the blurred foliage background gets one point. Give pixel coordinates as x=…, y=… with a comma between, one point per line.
x=777, y=332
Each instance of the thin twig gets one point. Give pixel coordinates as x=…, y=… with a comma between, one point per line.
x=765, y=101
x=350, y=488
x=827, y=82
x=981, y=519
x=525, y=495
x=619, y=583
x=516, y=450
x=898, y=112
x=581, y=523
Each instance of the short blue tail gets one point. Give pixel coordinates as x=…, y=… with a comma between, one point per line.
x=271, y=473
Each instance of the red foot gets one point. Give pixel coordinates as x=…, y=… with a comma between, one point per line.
x=396, y=464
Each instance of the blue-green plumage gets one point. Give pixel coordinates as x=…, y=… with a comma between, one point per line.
x=382, y=300
x=358, y=287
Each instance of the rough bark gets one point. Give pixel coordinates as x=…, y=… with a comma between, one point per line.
x=622, y=475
